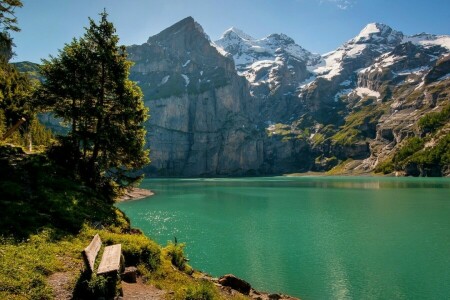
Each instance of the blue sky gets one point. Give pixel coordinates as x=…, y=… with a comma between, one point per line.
x=317, y=25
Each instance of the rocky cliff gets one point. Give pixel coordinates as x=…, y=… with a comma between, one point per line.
x=200, y=124
x=242, y=105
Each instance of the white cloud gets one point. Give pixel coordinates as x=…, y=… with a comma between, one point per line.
x=341, y=4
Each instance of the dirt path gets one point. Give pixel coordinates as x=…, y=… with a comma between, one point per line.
x=62, y=285
x=140, y=291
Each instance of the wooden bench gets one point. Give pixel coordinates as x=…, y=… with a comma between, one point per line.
x=112, y=259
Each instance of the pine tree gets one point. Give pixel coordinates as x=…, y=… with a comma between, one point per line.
x=8, y=22
x=87, y=86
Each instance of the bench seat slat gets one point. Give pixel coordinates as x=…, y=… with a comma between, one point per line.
x=110, y=259
x=91, y=251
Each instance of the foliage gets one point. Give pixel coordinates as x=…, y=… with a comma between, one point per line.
x=435, y=120
x=176, y=253
x=359, y=125
x=386, y=167
x=340, y=168
x=437, y=155
x=204, y=290
x=32, y=70
x=413, y=151
x=8, y=22
x=15, y=93
x=411, y=146
x=87, y=86
x=36, y=194
x=25, y=265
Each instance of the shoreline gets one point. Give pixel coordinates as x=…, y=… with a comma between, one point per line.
x=135, y=194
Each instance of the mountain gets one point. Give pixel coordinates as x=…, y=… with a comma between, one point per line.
x=247, y=106
x=200, y=125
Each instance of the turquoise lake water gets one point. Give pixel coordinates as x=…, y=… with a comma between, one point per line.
x=310, y=237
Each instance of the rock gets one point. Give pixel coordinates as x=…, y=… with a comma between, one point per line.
x=235, y=283
x=212, y=104
x=130, y=275
x=275, y=296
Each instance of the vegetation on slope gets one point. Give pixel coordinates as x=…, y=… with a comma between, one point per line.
x=425, y=156
x=49, y=211
x=47, y=219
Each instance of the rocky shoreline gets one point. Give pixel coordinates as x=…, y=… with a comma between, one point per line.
x=135, y=194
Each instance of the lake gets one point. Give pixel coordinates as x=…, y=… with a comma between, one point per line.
x=310, y=237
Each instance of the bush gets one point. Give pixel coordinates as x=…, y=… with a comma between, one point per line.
x=203, y=291
x=386, y=167
x=411, y=146
x=435, y=120
x=176, y=253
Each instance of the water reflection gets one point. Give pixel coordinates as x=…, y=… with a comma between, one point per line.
x=313, y=182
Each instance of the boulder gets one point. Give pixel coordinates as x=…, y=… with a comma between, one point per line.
x=235, y=283
x=130, y=275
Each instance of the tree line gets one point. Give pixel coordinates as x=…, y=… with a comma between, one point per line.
x=86, y=85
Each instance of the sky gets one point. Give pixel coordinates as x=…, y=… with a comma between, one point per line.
x=319, y=26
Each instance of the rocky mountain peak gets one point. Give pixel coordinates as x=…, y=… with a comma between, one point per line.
x=235, y=33
x=268, y=105
x=187, y=27
x=281, y=38
x=378, y=33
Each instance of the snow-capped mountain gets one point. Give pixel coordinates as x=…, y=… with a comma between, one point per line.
x=270, y=62
x=375, y=64
x=242, y=105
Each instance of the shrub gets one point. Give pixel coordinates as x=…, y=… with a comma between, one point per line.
x=386, y=167
x=176, y=253
x=203, y=291
x=411, y=146
x=435, y=120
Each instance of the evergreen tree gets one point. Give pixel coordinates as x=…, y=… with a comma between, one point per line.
x=87, y=86
x=8, y=22
x=15, y=93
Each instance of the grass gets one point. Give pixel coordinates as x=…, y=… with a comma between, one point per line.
x=47, y=219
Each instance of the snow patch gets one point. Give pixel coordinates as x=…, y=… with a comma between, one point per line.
x=186, y=79
x=186, y=63
x=367, y=31
x=365, y=92
x=346, y=83
x=411, y=71
x=356, y=50
x=220, y=49
x=304, y=84
x=164, y=80
x=429, y=40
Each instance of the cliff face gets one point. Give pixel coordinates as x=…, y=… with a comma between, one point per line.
x=200, y=123
x=246, y=106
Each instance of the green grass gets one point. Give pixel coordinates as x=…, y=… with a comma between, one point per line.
x=47, y=219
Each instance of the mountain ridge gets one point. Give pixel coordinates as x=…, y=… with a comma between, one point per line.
x=299, y=111
x=248, y=106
